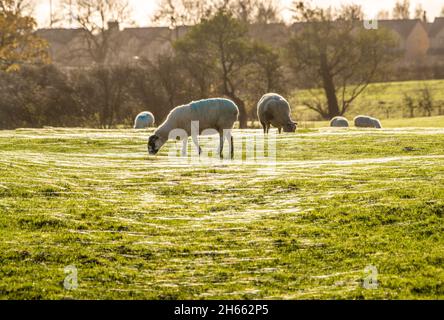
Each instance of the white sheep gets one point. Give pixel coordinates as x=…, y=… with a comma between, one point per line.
x=144, y=120
x=339, y=122
x=193, y=119
x=367, y=122
x=273, y=109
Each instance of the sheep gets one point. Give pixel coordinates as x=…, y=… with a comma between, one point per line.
x=339, y=122
x=367, y=122
x=273, y=109
x=144, y=120
x=193, y=119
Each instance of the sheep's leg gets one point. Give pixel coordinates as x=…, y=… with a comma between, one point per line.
x=196, y=143
x=184, y=147
x=268, y=127
x=264, y=126
x=221, y=145
x=229, y=137
x=280, y=130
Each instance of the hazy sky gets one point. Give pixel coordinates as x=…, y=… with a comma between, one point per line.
x=143, y=9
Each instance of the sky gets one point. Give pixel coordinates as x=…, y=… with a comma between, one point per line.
x=143, y=9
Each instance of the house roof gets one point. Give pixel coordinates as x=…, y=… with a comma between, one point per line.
x=148, y=33
x=59, y=35
x=436, y=26
x=403, y=27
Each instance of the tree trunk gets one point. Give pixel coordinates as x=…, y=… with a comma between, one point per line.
x=242, y=111
x=329, y=88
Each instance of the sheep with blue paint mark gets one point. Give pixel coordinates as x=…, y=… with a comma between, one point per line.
x=207, y=116
x=144, y=120
x=339, y=122
x=273, y=109
x=367, y=122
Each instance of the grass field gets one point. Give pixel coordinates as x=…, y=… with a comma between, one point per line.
x=145, y=227
x=390, y=93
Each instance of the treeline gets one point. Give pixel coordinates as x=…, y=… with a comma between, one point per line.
x=101, y=96
x=216, y=57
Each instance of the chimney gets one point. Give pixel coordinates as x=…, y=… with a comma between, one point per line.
x=113, y=26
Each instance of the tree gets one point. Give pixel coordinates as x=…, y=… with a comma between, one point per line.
x=352, y=12
x=222, y=41
x=419, y=12
x=383, y=15
x=99, y=20
x=184, y=12
x=267, y=72
x=255, y=11
x=220, y=55
x=190, y=12
x=401, y=10
x=36, y=96
x=409, y=104
x=426, y=103
x=18, y=43
x=333, y=52
x=16, y=6
x=105, y=92
x=201, y=72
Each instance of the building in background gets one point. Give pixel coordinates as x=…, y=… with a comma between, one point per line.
x=421, y=43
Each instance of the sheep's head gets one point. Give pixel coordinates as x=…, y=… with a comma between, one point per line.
x=290, y=126
x=154, y=144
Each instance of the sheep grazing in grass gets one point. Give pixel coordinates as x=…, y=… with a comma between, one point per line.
x=339, y=122
x=144, y=120
x=367, y=122
x=204, y=117
x=273, y=109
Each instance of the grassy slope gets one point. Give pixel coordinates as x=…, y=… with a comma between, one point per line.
x=392, y=93
x=139, y=227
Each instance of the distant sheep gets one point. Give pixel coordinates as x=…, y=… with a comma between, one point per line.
x=339, y=122
x=144, y=120
x=367, y=122
x=218, y=114
x=273, y=109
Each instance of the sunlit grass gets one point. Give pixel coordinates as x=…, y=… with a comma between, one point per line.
x=148, y=227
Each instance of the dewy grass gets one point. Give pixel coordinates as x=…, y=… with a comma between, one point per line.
x=135, y=226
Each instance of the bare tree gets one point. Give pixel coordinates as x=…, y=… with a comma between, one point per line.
x=351, y=12
x=401, y=10
x=420, y=13
x=176, y=13
x=99, y=19
x=16, y=6
x=383, y=15
x=331, y=52
x=409, y=104
x=255, y=11
x=426, y=101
